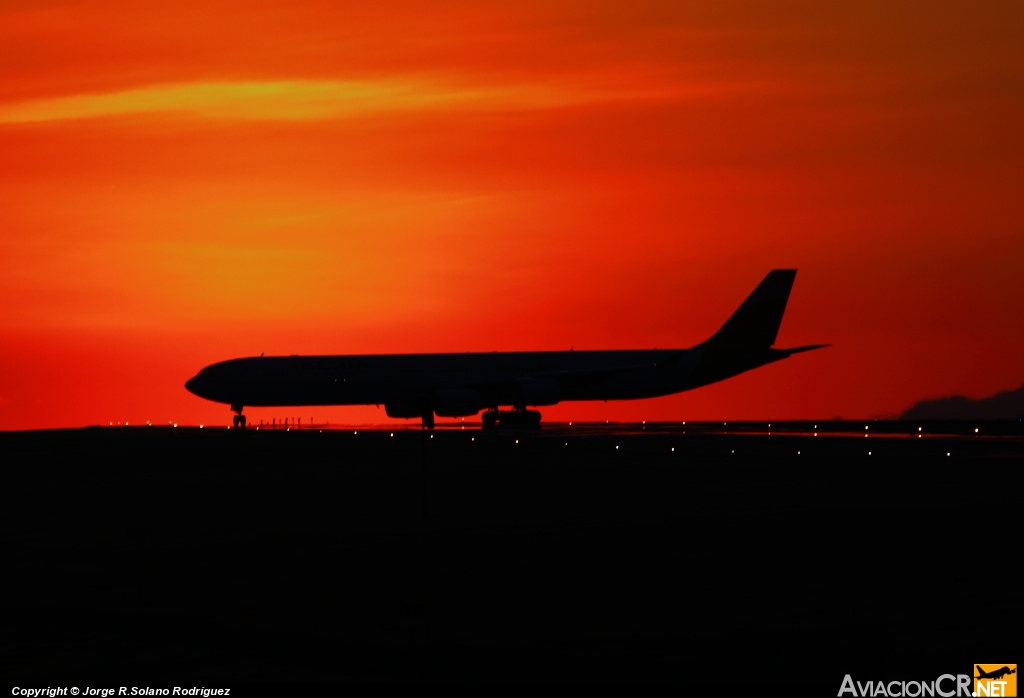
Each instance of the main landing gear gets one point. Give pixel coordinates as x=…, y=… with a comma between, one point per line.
x=515, y=418
x=239, y=419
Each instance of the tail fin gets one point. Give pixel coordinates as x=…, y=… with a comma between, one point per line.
x=756, y=322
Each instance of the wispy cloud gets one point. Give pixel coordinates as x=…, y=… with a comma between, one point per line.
x=312, y=100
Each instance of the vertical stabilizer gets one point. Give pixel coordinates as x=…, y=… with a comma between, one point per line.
x=756, y=322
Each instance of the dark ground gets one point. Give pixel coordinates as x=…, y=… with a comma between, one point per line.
x=160, y=556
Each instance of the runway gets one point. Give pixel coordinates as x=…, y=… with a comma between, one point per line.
x=733, y=555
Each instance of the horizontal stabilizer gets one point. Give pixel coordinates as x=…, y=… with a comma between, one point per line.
x=797, y=350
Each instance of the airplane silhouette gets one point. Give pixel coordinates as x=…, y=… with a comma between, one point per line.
x=461, y=385
x=996, y=674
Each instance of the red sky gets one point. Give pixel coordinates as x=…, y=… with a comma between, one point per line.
x=182, y=183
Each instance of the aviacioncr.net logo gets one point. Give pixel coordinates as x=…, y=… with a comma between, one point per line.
x=945, y=686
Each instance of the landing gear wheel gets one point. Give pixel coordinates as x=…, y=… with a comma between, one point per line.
x=239, y=419
x=521, y=418
x=513, y=418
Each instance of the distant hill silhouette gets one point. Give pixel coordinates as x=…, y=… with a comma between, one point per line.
x=1008, y=404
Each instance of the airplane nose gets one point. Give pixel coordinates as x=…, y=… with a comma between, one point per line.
x=192, y=385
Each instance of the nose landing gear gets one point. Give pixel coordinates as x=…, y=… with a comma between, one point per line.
x=239, y=418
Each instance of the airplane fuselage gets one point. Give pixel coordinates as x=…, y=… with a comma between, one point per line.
x=498, y=379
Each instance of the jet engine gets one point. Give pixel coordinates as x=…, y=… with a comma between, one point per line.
x=457, y=402
x=538, y=391
x=407, y=409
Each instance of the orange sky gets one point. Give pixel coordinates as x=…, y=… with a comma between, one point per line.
x=186, y=183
